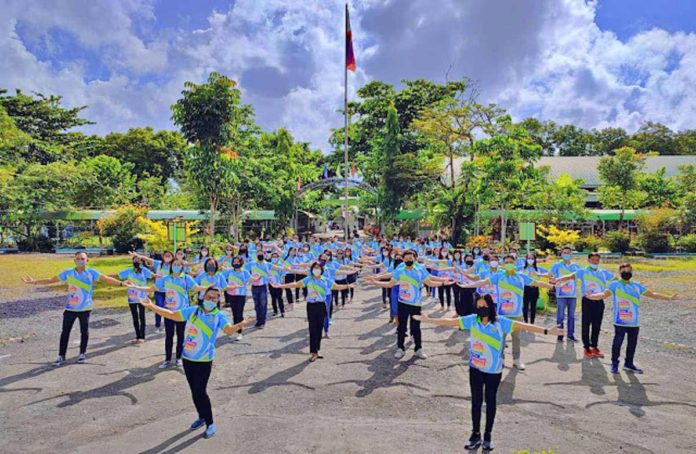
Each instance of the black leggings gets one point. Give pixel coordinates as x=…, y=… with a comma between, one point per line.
x=464, y=300
x=442, y=291
x=288, y=291
x=385, y=294
x=138, y=314
x=352, y=279
x=481, y=384
x=316, y=312
x=169, y=327
x=344, y=293
x=236, y=304
x=277, y=299
x=197, y=375
x=531, y=295
x=68, y=322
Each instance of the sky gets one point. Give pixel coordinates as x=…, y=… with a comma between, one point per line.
x=591, y=63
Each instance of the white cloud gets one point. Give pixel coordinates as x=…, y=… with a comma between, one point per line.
x=549, y=59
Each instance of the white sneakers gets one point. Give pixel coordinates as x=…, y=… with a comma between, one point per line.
x=239, y=337
x=418, y=354
x=179, y=363
x=519, y=364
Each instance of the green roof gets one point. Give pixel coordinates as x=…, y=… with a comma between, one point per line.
x=592, y=215
x=155, y=215
x=259, y=215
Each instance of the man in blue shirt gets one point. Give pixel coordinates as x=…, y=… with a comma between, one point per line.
x=567, y=293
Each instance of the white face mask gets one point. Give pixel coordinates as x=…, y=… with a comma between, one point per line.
x=530, y=262
x=494, y=264
x=316, y=272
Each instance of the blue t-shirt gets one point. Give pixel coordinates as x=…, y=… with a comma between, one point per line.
x=239, y=277
x=225, y=261
x=567, y=289
x=510, y=292
x=486, y=342
x=161, y=268
x=80, y=288
x=176, y=291
x=410, y=283
x=201, y=331
x=205, y=280
x=626, y=299
x=594, y=281
x=259, y=272
x=317, y=288
x=138, y=278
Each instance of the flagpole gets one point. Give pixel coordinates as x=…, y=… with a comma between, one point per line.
x=345, y=145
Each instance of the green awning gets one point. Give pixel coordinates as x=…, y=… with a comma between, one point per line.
x=259, y=215
x=186, y=215
x=418, y=213
x=592, y=215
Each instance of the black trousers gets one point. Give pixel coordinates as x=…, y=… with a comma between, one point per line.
x=385, y=294
x=483, y=385
x=197, y=376
x=619, y=333
x=316, y=312
x=138, y=314
x=344, y=293
x=352, y=279
x=464, y=300
x=442, y=291
x=288, y=291
x=236, y=304
x=69, y=318
x=170, y=326
x=406, y=311
x=529, y=302
x=277, y=299
x=592, y=313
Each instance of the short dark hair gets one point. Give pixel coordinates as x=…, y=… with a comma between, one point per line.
x=209, y=289
x=567, y=247
x=593, y=254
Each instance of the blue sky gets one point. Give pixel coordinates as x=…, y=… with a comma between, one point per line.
x=594, y=64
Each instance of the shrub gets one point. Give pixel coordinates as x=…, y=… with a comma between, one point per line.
x=588, y=243
x=687, y=243
x=558, y=237
x=37, y=243
x=655, y=241
x=618, y=241
x=479, y=240
x=123, y=228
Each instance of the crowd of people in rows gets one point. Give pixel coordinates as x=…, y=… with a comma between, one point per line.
x=493, y=294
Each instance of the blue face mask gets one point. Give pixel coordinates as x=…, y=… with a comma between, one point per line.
x=209, y=305
x=594, y=266
x=567, y=256
x=176, y=269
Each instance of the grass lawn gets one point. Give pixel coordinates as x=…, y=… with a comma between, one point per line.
x=14, y=266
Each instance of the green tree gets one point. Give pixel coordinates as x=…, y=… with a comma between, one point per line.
x=559, y=198
x=390, y=197
x=573, y=141
x=609, y=139
x=106, y=182
x=659, y=190
x=655, y=137
x=213, y=119
x=620, y=177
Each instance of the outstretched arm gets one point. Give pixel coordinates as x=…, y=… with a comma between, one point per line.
x=543, y=284
x=660, y=296
x=384, y=284
x=296, y=284
x=46, y=281
x=166, y=313
x=598, y=296
x=231, y=329
x=475, y=284
x=110, y=280
x=450, y=322
x=554, y=330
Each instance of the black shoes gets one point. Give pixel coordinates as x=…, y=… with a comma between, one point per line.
x=474, y=441
x=487, y=443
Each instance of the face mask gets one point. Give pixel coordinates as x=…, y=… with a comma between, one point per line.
x=229, y=251
x=259, y=258
x=210, y=269
x=486, y=258
x=242, y=251
x=322, y=262
x=204, y=253
x=457, y=256
x=567, y=256
x=513, y=254
x=176, y=269
x=482, y=311
x=397, y=262
x=626, y=275
x=408, y=262
x=80, y=262
x=530, y=262
x=136, y=265
x=236, y=265
x=594, y=266
x=316, y=272
x=209, y=305
x=469, y=262
x=274, y=260
x=494, y=264
x=509, y=267
x=476, y=251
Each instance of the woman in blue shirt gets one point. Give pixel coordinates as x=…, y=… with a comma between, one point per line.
x=486, y=345
x=318, y=289
x=202, y=323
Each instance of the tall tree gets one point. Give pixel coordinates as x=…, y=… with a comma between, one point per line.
x=620, y=175
x=212, y=117
x=655, y=137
